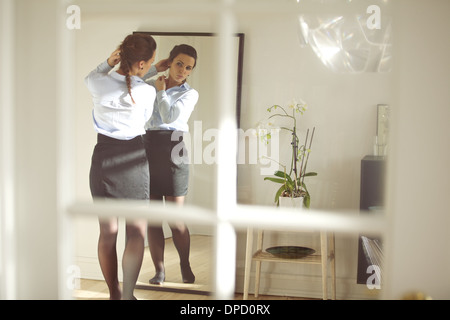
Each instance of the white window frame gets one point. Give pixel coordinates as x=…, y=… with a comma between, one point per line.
x=7, y=168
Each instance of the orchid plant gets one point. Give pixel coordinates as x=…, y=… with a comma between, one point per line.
x=292, y=183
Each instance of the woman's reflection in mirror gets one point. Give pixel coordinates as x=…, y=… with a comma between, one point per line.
x=175, y=101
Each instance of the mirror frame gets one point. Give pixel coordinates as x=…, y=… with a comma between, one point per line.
x=240, y=66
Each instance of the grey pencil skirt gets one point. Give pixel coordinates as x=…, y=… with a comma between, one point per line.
x=168, y=162
x=119, y=169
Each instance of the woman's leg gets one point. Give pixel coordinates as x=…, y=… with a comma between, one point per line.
x=182, y=242
x=156, y=245
x=107, y=256
x=133, y=256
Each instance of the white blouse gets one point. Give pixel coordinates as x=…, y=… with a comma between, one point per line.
x=173, y=106
x=114, y=113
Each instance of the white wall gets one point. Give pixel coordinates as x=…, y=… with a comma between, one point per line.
x=342, y=107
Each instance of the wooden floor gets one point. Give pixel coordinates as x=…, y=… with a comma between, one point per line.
x=173, y=288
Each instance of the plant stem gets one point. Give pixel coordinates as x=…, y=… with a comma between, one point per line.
x=265, y=157
x=281, y=115
x=303, y=156
x=294, y=156
x=307, y=157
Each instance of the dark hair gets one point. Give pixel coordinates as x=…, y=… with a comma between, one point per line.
x=183, y=48
x=135, y=48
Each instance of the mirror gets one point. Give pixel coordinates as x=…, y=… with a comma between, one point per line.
x=201, y=190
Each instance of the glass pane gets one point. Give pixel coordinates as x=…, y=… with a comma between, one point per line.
x=89, y=283
x=322, y=72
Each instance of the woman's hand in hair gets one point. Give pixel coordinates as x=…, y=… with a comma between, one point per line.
x=162, y=65
x=114, y=58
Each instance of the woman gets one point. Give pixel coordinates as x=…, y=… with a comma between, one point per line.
x=175, y=101
x=123, y=103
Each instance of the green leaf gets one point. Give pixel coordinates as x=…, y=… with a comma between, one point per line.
x=307, y=200
x=280, y=174
x=278, y=193
x=310, y=174
x=290, y=186
x=283, y=175
x=276, y=180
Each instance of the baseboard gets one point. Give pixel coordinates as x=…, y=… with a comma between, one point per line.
x=90, y=268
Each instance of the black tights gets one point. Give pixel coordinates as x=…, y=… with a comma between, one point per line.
x=132, y=256
x=182, y=242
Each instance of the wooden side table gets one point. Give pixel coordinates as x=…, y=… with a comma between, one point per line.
x=325, y=260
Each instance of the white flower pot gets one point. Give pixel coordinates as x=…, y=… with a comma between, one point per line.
x=288, y=202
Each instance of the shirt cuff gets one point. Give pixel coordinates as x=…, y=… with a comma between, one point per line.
x=161, y=95
x=104, y=67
